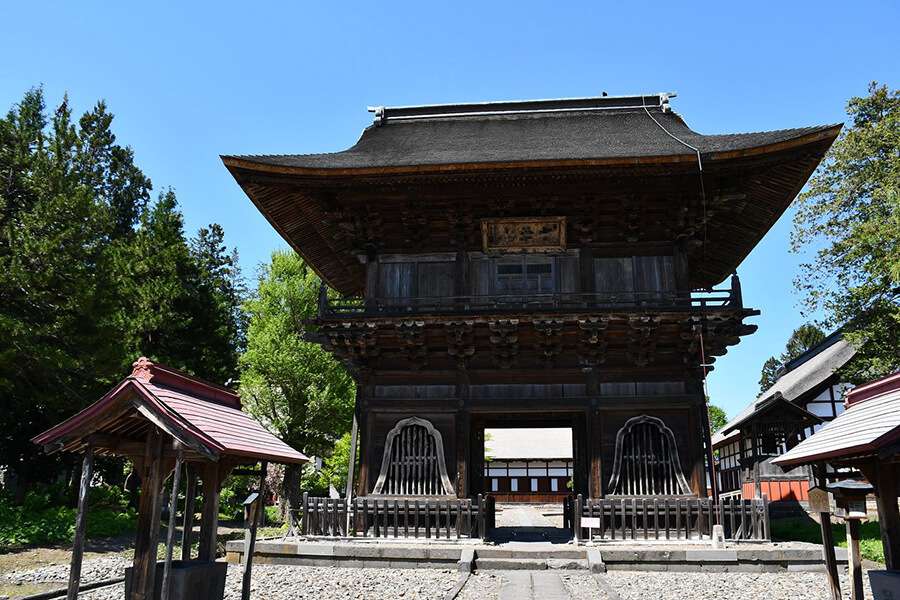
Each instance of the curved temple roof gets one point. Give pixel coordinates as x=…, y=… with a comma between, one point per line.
x=514, y=132
x=206, y=419
x=609, y=145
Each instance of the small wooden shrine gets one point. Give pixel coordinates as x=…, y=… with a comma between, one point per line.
x=163, y=421
x=864, y=438
x=544, y=263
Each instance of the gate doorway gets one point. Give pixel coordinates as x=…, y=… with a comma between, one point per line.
x=530, y=469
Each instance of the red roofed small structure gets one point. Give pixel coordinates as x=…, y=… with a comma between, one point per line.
x=204, y=417
x=163, y=419
x=866, y=436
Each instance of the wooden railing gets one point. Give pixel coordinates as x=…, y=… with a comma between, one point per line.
x=699, y=299
x=397, y=518
x=668, y=518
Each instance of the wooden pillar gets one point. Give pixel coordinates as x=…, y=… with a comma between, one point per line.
x=87, y=468
x=254, y=523
x=709, y=455
x=209, y=518
x=367, y=423
x=828, y=542
x=888, y=514
x=170, y=534
x=143, y=575
x=595, y=445
x=463, y=419
x=476, y=454
x=854, y=562
x=586, y=270
x=188, y=522
x=351, y=467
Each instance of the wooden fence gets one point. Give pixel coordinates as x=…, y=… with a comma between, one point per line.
x=668, y=518
x=397, y=518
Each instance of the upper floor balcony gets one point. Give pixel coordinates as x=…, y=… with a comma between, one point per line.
x=700, y=300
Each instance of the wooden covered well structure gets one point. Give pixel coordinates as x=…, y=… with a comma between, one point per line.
x=163, y=420
x=544, y=263
x=865, y=437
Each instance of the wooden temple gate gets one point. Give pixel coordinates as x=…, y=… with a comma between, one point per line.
x=166, y=423
x=540, y=262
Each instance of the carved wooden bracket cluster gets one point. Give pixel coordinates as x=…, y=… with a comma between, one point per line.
x=352, y=341
x=549, y=343
x=414, y=349
x=504, y=341
x=463, y=230
x=642, y=339
x=360, y=229
x=592, y=341
x=631, y=217
x=460, y=341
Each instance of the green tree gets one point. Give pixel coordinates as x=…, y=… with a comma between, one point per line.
x=802, y=339
x=717, y=418
x=294, y=386
x=92, y=276
x=849, y=217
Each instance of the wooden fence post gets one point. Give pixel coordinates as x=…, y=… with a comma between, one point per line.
x=254, y=523
x=189, y=507
x=576, y=518
x=170, y=534
x=87, y=468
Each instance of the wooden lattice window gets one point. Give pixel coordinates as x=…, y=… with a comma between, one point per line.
x=646, y=461
x=413, y=462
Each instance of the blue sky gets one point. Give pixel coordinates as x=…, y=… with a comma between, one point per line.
x=191, y=80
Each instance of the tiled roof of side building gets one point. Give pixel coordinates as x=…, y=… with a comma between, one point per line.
x=536, y=130
x=808, y=370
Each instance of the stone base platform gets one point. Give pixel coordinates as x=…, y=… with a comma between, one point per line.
x=469, y=555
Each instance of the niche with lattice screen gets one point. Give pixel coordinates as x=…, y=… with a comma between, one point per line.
x=413, y=462
x=646, y=462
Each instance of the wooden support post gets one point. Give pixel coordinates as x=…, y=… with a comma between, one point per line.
x=187, y=525
x=143, y=575
x=828, y=542
x=853, y=559
x=254, y=523
x=883, y=476
x=87, y=468
x=348, y=494
x=170, y=534
x=209, y=518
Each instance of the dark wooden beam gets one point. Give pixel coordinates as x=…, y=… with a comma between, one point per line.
x=209, y=518
x=143, y=576
x=87, y=467
x=187, y=526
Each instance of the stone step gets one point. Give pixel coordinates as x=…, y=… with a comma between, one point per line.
x=510, y=564
x=562, y=553
x=532, y=564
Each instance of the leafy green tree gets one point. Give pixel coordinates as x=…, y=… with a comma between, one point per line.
x=802, y=339
x=717, y=418
x=849, y=217
x=334, y=471
x=92, y=275
x=294, y=386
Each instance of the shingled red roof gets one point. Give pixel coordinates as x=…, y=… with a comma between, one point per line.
x=206, y=418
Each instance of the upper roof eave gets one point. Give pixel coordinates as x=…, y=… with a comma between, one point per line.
x=268, y=164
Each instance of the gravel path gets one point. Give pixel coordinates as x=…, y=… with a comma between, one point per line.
x=635, y=585
x=327, y=583
x=94, y=569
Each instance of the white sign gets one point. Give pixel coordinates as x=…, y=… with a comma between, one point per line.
x=590, y=522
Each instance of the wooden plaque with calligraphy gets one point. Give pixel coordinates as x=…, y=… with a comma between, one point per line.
x=524, y=234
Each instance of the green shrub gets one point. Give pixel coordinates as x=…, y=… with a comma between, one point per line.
x=807, y=530
x=37, y=521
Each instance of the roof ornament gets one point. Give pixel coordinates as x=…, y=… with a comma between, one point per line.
x=142, y=369
x=380, y=117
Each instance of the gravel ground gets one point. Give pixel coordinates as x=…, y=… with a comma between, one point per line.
x=582, y=586
x=326, y=583
x=481, y=586
x=94, y=569
x=636, y=585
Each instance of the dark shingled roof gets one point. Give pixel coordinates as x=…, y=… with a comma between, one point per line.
x=509, y=132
